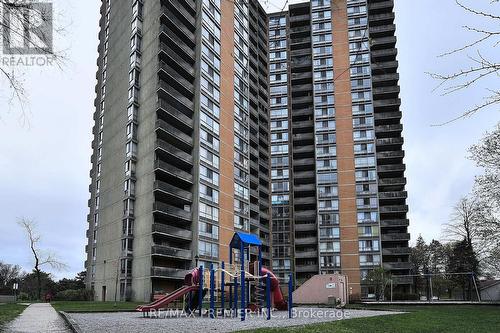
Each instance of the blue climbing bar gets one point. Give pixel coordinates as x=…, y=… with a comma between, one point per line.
x=268, y=295
x=222, y=288
x=212, y=291
x=200, y=291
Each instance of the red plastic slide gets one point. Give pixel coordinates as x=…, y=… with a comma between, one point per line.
x=279, y=301
x=165, y=300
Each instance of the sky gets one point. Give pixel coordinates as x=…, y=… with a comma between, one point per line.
x=45, y=154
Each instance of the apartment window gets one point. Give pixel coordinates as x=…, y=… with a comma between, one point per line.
x=210, y=88
x=367, y=217
x=327, y=191
x=208, y=193
x=280, y=199
x=363, y=121
x=323, y=62
x=324, y=112
x=278, y=55
x=328, y=218
x=331, y=232
x=327, y=164
x=209, y=140
x=209, y=212
x=209, y=123
x=368, y=231
x=329, y=246
x=364, y=162
x=276, y=66
x=324, y=99
x=325, y=125
x=280, y=173
x=325, y=139
x=241, y=191
x=356, y=10
x=322, y=26
x=369, y=260
x=330, y=177
x=210, y=72
x=326, y=50
x=362, y=109
x=322, y=38
x=211, y=56
x=241, y=207
x=130, y=167
x=368, y=245
x=330, y=261
x=129, y=187
x=241, y=223
x=279, y=149
x=328, y=204
x=210, y=39
x=279, y=161
x=131, y=149
x=366, y=175
x=323, y=75
x=279, y=124
x=326, y=151
x=280, y=186
x=209, y=157
x=209, y=175
x=363, y=135
x=208, y=249
x=208, y=230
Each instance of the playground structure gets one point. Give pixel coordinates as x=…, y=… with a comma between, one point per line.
x=243, y=280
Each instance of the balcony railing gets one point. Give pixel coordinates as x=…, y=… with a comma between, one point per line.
x=172, y=211
x=170, y=273
x=171, y=252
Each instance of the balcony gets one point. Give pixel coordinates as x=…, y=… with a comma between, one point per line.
x=306, y=269
x=394, y=209
x=177, y=43
x=381, y=19
x=395, y=237
x=172, y=232
x=308, y=187
x=170, y=75
x=382, y=31
x=389, y=129
x=394, y=223
x=306, y=254
x=393, y=195
x=391, y=169
x=168, y=273
x=306, y=241
x=305, y=227
x=383, y=43
x=390, y=157
x=176, y=61
x=171, y=252
x=172, y=171
x=386, y=92
x=174, y=97
x=305, y=215
x=304, y=201
x=170, y=192
x=171, y=212
x=381, y=117
x=174, y=155
x=181, y=12
x=381, y=7
x=397, y=265
x=387, y=104
x=396, y=251
x=385, y=55
x=173, y=135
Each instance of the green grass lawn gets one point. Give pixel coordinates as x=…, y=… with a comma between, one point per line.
x=8, y=312
x=94, y=306
x=420, y=319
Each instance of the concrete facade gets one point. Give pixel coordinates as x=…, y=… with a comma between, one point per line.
x=213, y=116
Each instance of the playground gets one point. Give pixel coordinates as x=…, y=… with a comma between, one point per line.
x=227, y=297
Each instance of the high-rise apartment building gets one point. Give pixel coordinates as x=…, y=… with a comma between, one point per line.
x=213, y=116
x=181, y=141
x=338, y=186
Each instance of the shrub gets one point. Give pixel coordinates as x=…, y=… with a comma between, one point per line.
x=75, y=295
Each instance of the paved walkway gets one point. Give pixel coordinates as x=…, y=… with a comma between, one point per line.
x=39, y=317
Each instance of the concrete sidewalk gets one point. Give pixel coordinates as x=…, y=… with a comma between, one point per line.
x=39, y=317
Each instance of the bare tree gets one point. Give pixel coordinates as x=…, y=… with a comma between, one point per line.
x=481, y=66
x=41, y=258
x=8, y=273
x=23, y=24
x=474, y=221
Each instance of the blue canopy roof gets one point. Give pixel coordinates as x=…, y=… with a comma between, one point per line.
x=246, y=239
